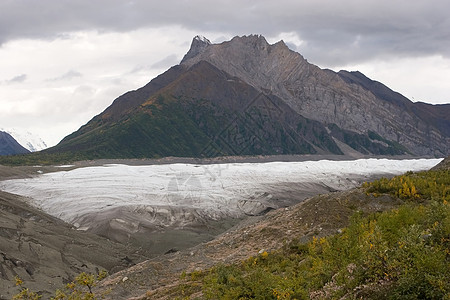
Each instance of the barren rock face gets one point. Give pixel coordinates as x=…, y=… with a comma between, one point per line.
x=46, y=253
x=324, y=95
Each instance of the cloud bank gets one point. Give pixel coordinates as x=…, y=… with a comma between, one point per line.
x=72, y=58
x=335, y=31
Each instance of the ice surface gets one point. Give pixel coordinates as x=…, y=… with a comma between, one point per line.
x=219, y=190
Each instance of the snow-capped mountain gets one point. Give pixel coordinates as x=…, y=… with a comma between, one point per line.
x=9, y=146
x=27, y=139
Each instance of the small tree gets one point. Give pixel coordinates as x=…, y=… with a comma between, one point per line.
x=79, y=289
x=25, y=293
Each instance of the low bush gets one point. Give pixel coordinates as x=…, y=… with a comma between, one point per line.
x=79, y=289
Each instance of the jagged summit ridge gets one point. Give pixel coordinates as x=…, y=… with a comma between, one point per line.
x=251, y=44
x=252, y=59
x=198, y=45
x=203, y=39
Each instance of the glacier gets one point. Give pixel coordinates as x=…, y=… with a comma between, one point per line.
x=164, y=194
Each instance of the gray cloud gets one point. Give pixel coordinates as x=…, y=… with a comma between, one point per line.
x=17, y=79
x=84, y=91
x=166, y=62
x=67, y=76
x=333, y=32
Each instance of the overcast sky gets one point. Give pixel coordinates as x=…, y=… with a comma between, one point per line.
x=64, y=61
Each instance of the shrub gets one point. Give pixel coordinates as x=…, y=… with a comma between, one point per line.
x=429, y=185
x=79, y=289
x=25, y=293
x=400, y=254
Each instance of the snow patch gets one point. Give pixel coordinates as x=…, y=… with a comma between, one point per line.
x=201, y=38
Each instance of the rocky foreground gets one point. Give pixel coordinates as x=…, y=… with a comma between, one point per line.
x=47, y=253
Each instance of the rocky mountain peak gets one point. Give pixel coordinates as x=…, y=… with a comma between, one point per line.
x=253, y=40
x=249, y=47
x=252, y=59
x=198, y=45
x=202, y=39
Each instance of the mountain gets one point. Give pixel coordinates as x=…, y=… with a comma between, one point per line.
x=247, y=97
x=9, y=146
x=27, y=139
x=348, y=99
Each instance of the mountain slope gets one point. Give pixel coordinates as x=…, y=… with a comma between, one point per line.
x=436, y=116
x=318, y=216
x=9, y=146
x=201, y=111
x=349, y=100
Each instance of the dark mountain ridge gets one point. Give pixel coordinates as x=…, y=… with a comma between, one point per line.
x=247, y=97
x=9, y=146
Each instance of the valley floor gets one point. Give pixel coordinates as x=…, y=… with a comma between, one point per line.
x=172, y=204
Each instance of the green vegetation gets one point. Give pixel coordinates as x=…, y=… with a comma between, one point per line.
x=367, y=143
x=422, y=186
x=25, y=292
x=41, y=158
x=400, y=254
x=79, y=289
x=395, y=147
